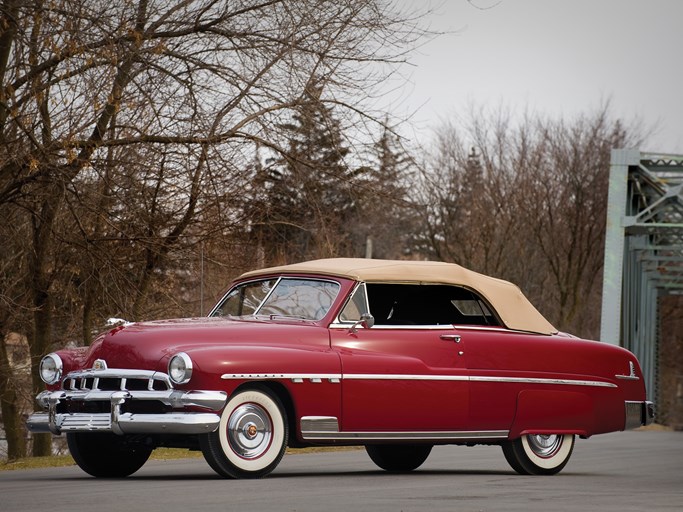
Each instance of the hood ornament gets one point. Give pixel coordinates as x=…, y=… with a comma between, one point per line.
x=115, y=322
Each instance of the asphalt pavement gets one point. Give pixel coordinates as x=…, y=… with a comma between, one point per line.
x=620, y=472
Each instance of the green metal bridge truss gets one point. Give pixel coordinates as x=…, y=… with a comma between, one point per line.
x=643, y=251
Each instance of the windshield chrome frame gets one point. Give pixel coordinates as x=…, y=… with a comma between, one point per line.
x=278, y=280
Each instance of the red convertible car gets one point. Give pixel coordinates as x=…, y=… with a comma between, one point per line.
x=396, y=356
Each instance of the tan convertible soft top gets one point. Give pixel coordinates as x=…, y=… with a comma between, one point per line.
x=513, y=308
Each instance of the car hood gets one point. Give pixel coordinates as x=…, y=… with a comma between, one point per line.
x=149, y=345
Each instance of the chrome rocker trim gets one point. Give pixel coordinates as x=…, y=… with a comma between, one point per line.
x=318, y=428
x=128, y=423
x=455, y=436
x=639, y=414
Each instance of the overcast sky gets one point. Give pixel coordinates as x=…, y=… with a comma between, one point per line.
x=558, y=57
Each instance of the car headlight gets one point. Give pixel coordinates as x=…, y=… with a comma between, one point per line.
x=51, y=367
x=180, y=368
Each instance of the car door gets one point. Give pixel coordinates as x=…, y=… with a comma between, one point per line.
x=402, y=379
x=405, y=373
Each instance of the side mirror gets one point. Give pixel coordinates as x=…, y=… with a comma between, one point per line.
x=366, y=322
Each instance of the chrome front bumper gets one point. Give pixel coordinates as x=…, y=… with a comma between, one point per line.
x=639, y=414
x=120, y=422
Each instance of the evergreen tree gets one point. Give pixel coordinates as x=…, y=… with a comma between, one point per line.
x=306, y=196
x=387, y=221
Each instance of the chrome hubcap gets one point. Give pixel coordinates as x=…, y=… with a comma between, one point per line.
x=250, y=431
x=545, y=445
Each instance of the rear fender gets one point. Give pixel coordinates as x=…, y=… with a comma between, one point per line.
x=553, y=412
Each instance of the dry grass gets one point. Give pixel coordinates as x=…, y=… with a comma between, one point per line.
x=37, y=462
x=656, y=427
x=158, y=454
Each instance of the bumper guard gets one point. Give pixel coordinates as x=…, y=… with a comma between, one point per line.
x=129, y=423
x=639, y=414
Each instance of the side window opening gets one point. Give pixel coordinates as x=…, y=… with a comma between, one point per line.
x=472, y=307
x=428, y=304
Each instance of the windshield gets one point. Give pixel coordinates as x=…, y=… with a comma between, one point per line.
x=307, y=299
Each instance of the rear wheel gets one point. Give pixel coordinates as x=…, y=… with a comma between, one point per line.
x=106, y=455
x=251, y=438
x=398, y=457
x=539, y=454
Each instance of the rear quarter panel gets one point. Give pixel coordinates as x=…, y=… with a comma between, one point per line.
x=552, y=404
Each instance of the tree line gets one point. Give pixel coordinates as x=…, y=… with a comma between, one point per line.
x=150, y=151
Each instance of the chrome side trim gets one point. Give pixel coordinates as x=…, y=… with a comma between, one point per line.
x=492, y=328
x=380, y=327
x=335, y=378
x=437, y=327
x=562, y=382
x=297, y=378
x=400, y=376
x=455, y=436
x=475, y=378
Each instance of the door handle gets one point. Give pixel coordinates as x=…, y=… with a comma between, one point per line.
x=450, y=337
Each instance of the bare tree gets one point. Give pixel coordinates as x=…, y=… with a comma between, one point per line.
x=471, y=182
x=526, y=201
x=14, y=395
x=566, y=212
x=122, y=125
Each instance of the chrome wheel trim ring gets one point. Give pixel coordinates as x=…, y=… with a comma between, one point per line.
x=250, y=431
x=545, y=445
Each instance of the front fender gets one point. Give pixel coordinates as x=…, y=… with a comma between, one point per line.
x=310, y=376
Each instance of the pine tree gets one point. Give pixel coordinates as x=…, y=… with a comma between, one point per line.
x=387, y=221
x=307, y=193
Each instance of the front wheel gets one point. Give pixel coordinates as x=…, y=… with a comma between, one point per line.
x=398, y=457
x=251, y=438
x=539, y=454
x=106, y=455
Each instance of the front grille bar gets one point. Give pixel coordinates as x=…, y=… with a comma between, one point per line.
x=89, y=380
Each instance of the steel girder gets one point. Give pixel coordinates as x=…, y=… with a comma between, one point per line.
x=643, y=251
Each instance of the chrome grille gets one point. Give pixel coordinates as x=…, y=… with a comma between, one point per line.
x=116, y=380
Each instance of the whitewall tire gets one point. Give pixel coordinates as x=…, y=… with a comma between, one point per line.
x=539, y=454
x=251, y=438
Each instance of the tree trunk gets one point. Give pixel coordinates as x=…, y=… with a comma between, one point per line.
x=9, y=405
x=40, y=337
